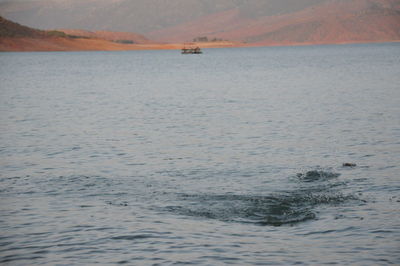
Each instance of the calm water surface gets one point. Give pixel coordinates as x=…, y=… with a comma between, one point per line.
x=230, y=157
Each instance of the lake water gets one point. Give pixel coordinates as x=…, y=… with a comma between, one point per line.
x=230, y=157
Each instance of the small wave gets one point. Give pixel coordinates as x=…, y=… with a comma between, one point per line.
x=132, y=237
x=12, y=258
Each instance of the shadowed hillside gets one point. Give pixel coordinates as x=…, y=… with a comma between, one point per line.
x=12, y=29
x=121, y=37
x=16, y=37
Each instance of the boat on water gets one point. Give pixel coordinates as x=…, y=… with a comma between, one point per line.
x=191, y=50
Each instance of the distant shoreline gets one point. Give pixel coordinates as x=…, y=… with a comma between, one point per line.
x=74, y=45
x=24, y=44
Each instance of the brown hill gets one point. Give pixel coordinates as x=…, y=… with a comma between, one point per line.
x=16, y=37
x=335, y=21
x=15, y=30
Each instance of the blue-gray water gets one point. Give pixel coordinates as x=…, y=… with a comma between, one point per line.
x=230, y=157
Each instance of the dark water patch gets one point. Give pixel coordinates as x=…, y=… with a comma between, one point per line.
x=380, y=231
x=276, y=210
x=387, y=167
x=83, y=226
x=41, y=252
x=86, y=206
x=368, y=155
x=99, y=229
x=351, y=165
x=331, y=231
x=320, y=232
x=12, y=258
x=220, y=258
x=316, y=188
x=3, y=179
x=26, y=247
x=5, y=243
x=133, y=237
x=317, y=175
x=55, y=153
x=39, y=233
x=113, y=203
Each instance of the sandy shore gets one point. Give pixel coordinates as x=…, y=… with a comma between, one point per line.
x=70, y=44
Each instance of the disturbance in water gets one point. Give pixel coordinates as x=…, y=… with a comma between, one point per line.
x=277, y=209
x=317, y=175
